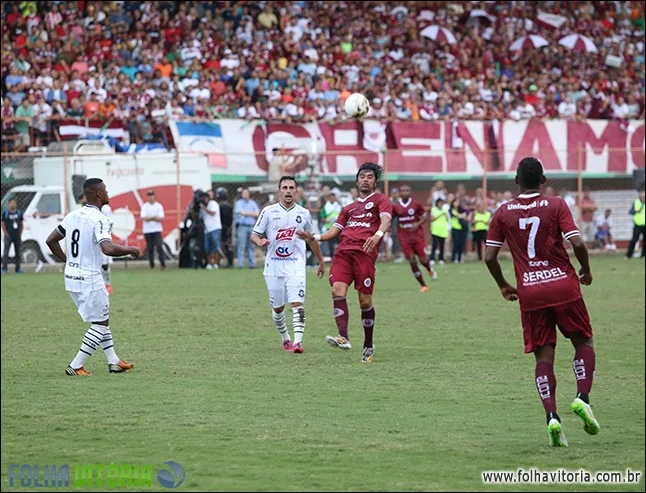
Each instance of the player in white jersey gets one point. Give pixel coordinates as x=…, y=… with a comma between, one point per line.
x=105, y=266
x=285, y=262
x=89, y=237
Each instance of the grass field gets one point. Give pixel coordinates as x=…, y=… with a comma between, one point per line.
x=449, y=395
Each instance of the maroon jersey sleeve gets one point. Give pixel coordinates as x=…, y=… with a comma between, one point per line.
x=496, y=235
x=566, y=222
x=342, y=220
x=385, y=206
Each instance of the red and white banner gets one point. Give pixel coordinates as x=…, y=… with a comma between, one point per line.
x=78, y=129
x=429, y=148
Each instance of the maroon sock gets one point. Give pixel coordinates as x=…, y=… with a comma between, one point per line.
x=583, y=366
x=417, y=274
x=546, y=385
x=341, y=316
x=368, y=322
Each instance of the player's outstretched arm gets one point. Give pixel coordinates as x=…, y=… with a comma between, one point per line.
x=332, y=233
x=316, y=248
x=581, y=252
x=491, y=259
x=53, y=243
x=112, y=250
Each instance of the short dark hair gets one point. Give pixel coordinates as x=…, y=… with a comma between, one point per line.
x=91, y=184
x=530, y=172
x=368, y=166
x=437, y=202
x=11, y=199
x=286, y=178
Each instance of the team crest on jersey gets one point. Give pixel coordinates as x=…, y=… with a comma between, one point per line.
x=411, y=212
x=370, y=205
x=299, y=219
x=368, y=282
x=285, y=234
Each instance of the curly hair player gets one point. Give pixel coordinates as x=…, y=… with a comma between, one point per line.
x=362, y=225
x=549, y=291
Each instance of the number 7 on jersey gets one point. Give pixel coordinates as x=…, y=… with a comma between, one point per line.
x=533, y=222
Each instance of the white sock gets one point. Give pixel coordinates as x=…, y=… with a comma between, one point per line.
x=108, y=346
x=106, y=274
x=299, y=323
x=281, y=324
x=91, y=342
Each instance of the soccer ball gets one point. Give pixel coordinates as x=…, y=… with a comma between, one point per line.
x=357, y=105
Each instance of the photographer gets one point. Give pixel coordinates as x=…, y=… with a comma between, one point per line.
x=226, y=217
x=192, y=235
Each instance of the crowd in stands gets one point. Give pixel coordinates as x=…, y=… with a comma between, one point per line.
x=141, y=62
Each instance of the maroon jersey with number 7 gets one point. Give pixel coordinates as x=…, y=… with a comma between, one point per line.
x=535, y=227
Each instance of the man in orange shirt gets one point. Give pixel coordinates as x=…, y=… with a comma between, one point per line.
x=92, y=106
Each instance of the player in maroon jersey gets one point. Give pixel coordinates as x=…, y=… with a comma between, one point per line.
x=411, y=216
x=534, y=226
x=362, y=225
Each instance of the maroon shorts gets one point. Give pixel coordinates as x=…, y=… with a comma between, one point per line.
x=539, y=326
x=350, y=265
x=414, y=245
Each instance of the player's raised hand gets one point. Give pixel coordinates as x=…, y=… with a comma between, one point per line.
x=585, y=278
x=305, y=235
x=371, y=243
x=509, y=292
x=320, y=272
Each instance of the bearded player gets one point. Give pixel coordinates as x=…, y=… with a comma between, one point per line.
x=362, y=225
x=549, y=291
x=411, y=216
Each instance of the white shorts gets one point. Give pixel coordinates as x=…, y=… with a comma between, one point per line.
x=93, y=306
x=282, y=289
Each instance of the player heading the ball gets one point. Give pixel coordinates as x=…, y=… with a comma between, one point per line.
x=285, y=262
x=549, y=292
x=362, y=225
x=88, y=236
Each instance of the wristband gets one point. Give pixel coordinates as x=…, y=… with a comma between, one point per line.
x=317, y=237
x=379, y=233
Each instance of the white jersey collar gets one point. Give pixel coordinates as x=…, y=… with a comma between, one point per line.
x=359, y=199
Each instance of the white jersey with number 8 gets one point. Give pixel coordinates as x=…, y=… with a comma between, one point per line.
x=84, y=229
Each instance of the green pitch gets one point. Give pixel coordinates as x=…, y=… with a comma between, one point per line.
x=449, y=395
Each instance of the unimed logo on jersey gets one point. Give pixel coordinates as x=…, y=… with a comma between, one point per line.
x=88, y=476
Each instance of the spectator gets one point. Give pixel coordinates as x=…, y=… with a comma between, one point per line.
x=246, y=212
x=212, y=220
x=152, y=215
x=603, y=238
x=12, y=225
x=24, y=121
x=588, y=208
x=294, y=49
